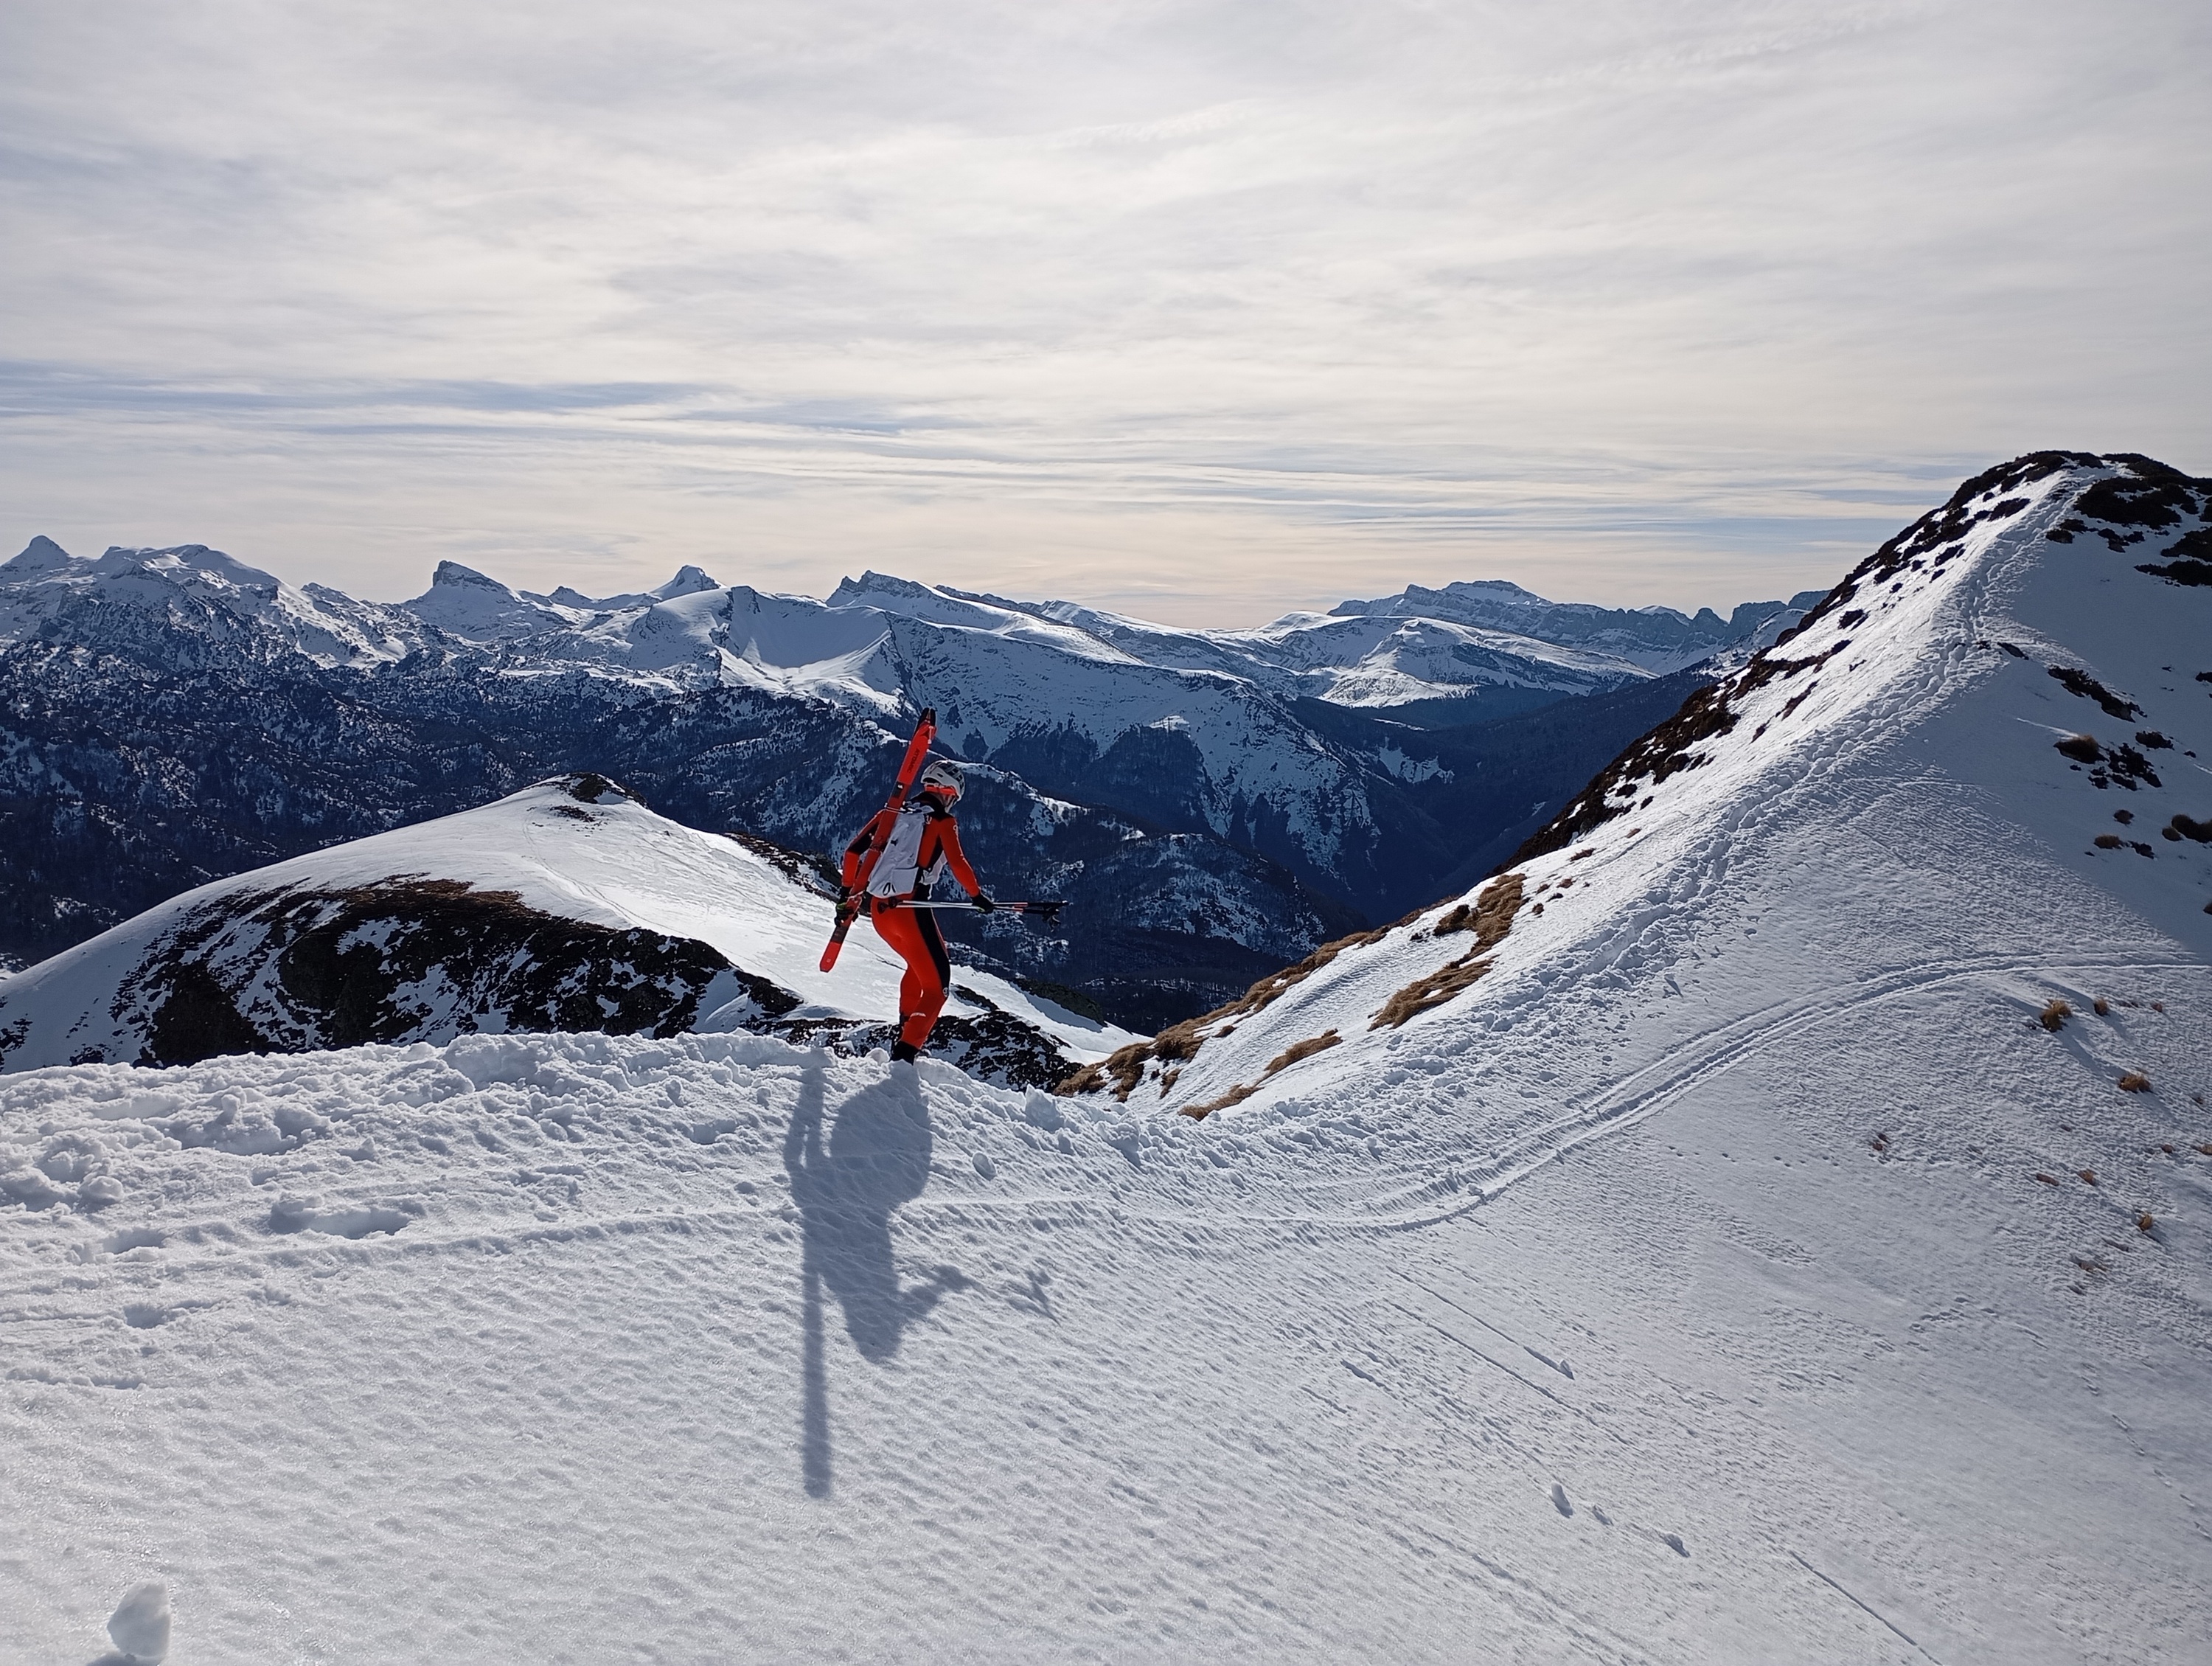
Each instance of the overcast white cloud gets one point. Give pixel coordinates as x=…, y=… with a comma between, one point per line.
x=1200, y=310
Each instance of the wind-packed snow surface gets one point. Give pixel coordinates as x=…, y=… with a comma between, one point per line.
x=1749, y=1263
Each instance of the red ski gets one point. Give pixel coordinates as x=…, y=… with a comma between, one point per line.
x=848, y=906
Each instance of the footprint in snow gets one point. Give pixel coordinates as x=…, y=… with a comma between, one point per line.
x=291, y=1214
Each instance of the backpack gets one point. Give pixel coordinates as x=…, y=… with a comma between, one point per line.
x=898, y=870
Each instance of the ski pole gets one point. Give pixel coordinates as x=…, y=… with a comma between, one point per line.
x=1046, y=909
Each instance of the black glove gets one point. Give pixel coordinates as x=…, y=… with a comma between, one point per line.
x=983, y=902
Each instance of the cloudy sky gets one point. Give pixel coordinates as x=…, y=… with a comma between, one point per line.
x=1202, y=311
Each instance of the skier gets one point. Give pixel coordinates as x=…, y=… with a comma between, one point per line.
x=916, y=841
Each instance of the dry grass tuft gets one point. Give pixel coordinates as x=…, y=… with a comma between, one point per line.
x=1305, y=1050
x=2100, y=1006
x=2089, y=1175
x=2135, y=1082
x=2145, y=1222
x=1434, y=990
x=2054, y=1015
x=2083, y=748
x=1179, y=1042
x=1490, y=917
x=1236, y=1096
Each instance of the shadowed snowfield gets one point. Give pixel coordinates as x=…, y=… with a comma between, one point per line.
x=1738, y=1270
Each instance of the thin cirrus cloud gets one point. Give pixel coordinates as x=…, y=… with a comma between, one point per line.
x=1205, y=310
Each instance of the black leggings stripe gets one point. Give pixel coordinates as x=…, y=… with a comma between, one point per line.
x=927, y=921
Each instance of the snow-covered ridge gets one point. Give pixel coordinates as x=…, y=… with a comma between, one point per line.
x=2045, y=689
x=566, y=907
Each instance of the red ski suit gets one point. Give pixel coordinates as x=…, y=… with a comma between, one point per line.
x=913, y=932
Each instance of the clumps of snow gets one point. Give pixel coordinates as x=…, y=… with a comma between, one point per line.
x=140, y=1624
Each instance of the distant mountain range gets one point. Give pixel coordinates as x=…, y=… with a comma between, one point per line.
x=1213, y=803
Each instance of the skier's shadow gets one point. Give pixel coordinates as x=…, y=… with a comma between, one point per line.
x=875, y=1157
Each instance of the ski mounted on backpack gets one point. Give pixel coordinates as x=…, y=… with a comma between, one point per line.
x=848, y=906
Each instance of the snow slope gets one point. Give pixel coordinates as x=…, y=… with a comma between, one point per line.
x=576, y=849
x=1719, y=1278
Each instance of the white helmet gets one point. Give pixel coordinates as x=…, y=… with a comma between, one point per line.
x=942, y=776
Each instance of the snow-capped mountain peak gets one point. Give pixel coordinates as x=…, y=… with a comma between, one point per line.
x=477, y=608
x=40, y=558
x=187, y=592
x=690, y=580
